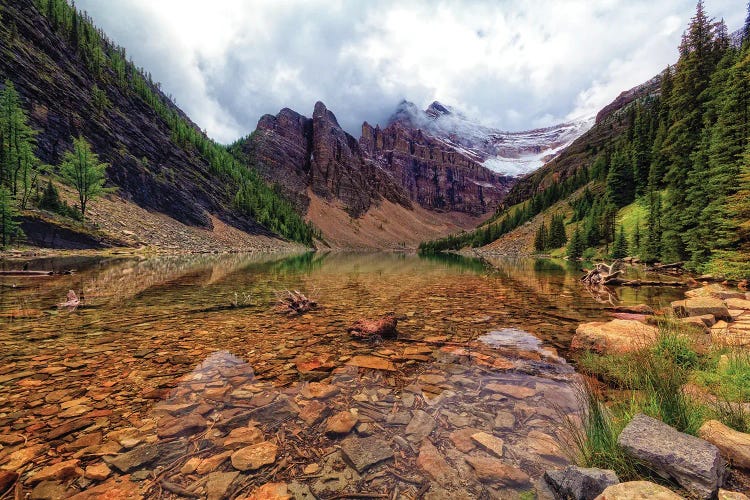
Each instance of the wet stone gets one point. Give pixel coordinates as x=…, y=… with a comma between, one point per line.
x=492, y=470
x=49, y=490
x=433, y=463
x=420, y=426
x=504, y=420
x=255, y=456
x=243, y=436
x=218, y=484
x=180, y=426
x=313, y=412
x=58, y=471
x=363, y=453
x=489, y=442
x=97, y=472
x=340, y=423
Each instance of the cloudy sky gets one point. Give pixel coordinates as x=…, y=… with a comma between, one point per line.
x=511, y=64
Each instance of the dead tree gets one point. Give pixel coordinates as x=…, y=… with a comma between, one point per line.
x=294, y=302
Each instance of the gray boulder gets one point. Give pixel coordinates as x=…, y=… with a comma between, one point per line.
x=693, y=463
x=577, y=483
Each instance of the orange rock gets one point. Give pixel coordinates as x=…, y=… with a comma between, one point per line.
x=97, y=472
x=270, y=491
x=59, y=471
x=372, y=362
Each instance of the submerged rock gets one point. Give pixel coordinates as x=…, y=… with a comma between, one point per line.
x=578, y=483
x=254, y=456
x=695, y=464
x=492, y=470
x=363, y=453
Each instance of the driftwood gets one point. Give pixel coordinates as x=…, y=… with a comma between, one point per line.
x=72, y=301
x=366, y=329
x=33, y=274
x=603, y=274
x=295, y=302
x=665, y=267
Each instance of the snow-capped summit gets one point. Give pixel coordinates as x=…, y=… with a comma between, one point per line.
x=509, y=153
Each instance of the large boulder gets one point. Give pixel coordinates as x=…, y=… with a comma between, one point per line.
x=693, y=463
x=638, y=490
x=737, y=303
x=577, y=483
x=613, y=337
x=698, y=306
x=733, y=445
x=716, y=291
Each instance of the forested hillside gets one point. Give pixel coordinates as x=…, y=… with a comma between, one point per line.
x=63, y=80
x=682, y=152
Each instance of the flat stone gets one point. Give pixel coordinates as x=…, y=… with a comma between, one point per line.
x=461, y=439
x=698, y=306
x=313, y=412
x=97, y=472
x=491, y=443
x=363, y=453
x=420, y=426
x=243, y=436
x=49, y=490
x=432, y=462
x=693, y=463
x=504, y=420
x=255, y=456
x=372, y=362
x=218, y=483
x=578, y=483
x=638, y=490
x=733, y=445
x=514, y=391
x=341, y=423
x=738, y=303
x=56, y=472
x=68, y=427
x=210, y=464
x=21, y=457
x=731, y=495
x=115, y=488
x=127, y=462
x=613, y=337
x=180, y=426
x=11, y=439
x=316, y=390
x=270, y=491
x=492, y=470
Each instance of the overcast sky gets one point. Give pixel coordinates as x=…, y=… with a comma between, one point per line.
x=510, y=64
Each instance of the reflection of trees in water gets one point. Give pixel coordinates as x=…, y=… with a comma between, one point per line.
x=458, y=261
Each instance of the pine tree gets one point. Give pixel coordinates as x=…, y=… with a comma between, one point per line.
x=620, y=184
x=635, y=243
x=82, y=170
x=17, y=141
x=576, y=246
x=540, y=240
x=641, y=150
x=9, y=228
x=620, y=247
x=50, y=199
x=654, y=228
x=557, y=236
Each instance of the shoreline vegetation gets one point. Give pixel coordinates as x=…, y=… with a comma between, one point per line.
x=684, y=368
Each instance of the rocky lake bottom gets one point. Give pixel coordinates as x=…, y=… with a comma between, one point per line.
x=178, y=377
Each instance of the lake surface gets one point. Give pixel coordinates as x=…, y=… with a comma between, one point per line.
x=179, y=376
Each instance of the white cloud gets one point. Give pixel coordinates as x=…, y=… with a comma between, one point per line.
x=512, y=64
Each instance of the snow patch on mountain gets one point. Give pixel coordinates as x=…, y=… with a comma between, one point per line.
x=508, y=153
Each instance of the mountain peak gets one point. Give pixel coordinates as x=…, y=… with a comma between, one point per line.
x=437, y=109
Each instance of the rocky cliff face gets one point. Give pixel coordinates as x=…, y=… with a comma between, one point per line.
x=435, y=175
x=398, y=164
x=146, y=165
x=316, y=154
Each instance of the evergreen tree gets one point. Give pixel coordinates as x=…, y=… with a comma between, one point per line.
x=540, y=240
x=557, y=236
x=82, y=170
x=17, y=160
x=50, y=199
x=635, y=243
x=9, y=228
x=620, y=247
x=620, y=183
x=659, y=157
x=576, y=246
x=654, y=228
x=641, y=150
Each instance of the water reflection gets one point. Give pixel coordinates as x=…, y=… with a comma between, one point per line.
x=165, y=375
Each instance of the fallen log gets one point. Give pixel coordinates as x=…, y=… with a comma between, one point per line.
x=26, y=273
x=366, y=329
x=662, y=267
x=637, y=283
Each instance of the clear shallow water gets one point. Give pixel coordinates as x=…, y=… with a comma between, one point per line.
x=171, y=356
